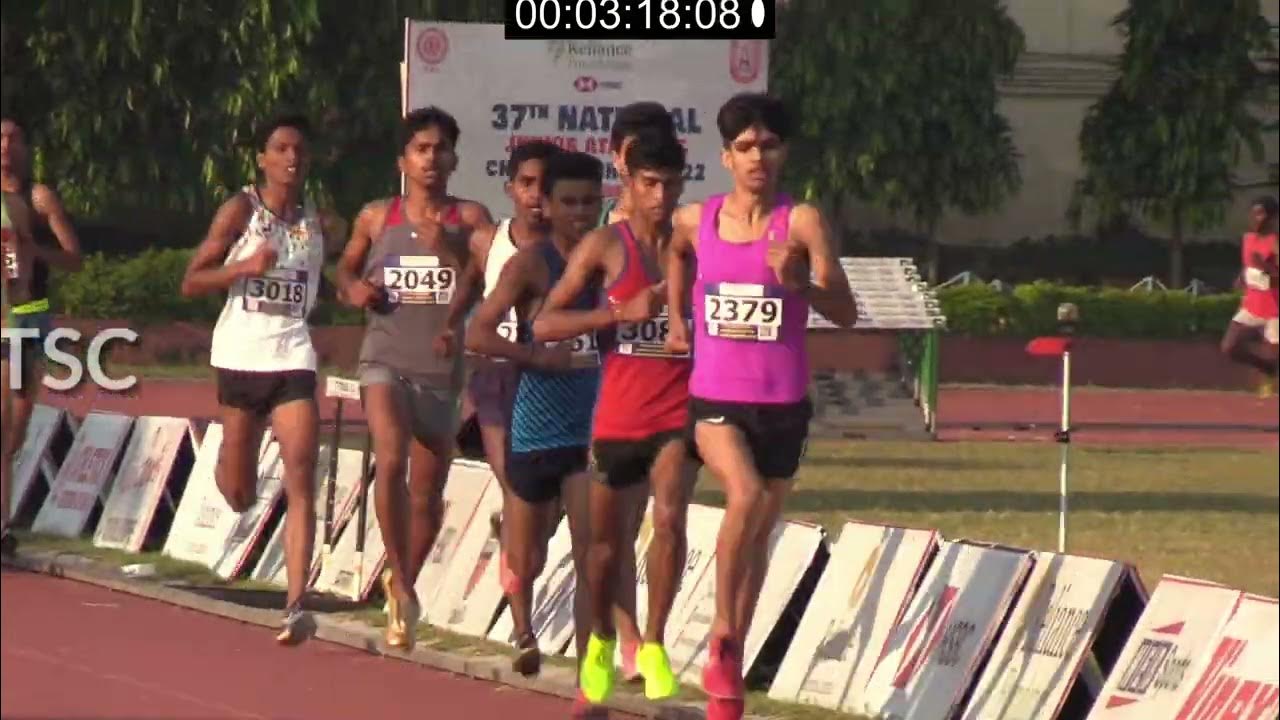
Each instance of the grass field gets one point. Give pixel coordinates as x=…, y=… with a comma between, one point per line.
x=1211, y=514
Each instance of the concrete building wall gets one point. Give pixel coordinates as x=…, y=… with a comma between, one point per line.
x=1068, y=64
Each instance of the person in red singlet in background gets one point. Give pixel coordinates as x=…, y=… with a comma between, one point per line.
x=1253, y=336
x=638, y=434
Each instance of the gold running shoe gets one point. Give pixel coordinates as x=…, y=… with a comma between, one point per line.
x=402, y=618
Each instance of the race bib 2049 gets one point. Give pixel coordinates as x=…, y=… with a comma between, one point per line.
x=740, y=311
x=418, y=280
x=280, y=292
x=646, y=339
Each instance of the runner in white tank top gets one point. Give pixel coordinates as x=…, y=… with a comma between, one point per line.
x=492, y=388
x=266, y=251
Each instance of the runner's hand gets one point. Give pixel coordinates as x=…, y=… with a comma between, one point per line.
x=789, y=262
x=553, y=357
x=261, y=261
x=444, y=343
x=362, y=294
x=677, y=336
x=643, y=305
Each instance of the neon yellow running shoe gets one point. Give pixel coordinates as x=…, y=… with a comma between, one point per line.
x=1266, y=388
x=595, y=677
x=659, y=682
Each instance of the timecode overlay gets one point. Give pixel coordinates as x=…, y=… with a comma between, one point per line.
x=640, y=19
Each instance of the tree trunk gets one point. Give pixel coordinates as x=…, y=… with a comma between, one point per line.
x=933, y=253
x=1176, y=279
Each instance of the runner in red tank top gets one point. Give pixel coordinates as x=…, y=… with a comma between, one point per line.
x=639, y=429
x=1254, y=332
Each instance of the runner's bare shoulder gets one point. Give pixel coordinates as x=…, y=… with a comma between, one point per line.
x=474, y=214
x=685, y=222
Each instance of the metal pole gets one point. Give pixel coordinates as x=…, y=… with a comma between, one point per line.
x=362, y=515
x=330, y=485
x=1063, y=436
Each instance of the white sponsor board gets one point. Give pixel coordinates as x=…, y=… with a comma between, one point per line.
x=1157, y=667
x=84, y=479
x=271, y=566
x=933, y=653
x=1241, y=678
x=1048, y=637
x=568, y=92
x=140, y=482
x=468, y=481
x=552, y=598
x=471, y=590
x=862, y=594
x=792, y=547
x=27, y=466
x=205, y=529
x=350, y=573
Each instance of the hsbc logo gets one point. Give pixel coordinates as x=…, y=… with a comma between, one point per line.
x=586, y=84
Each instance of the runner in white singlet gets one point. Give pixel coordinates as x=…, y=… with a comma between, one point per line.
x=265, y=249
x=491, y=390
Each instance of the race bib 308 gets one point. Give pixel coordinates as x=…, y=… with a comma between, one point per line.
x=646, y=339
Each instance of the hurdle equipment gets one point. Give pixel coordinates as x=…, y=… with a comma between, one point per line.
x=891, y=298
x=341, y=390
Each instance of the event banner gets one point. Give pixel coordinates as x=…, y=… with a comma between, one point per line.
x=505, y=92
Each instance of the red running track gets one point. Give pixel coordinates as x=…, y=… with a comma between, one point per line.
x=75, y=651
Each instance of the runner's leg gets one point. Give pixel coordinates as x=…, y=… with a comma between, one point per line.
x=577, y=505
x=672, y=478
x=724, y=449
x=296, y=428
x=428, y=473
x=387, y=415
x=7, y=450
x=295, y=423
x=238, y=456
x=633, y=501
x=524, y=520
x=749, y=594
x=1244, y=344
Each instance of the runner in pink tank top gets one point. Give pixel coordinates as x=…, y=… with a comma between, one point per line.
x=1253, y=336
x=749, y=409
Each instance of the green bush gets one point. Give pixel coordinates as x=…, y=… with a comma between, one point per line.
x=145, y=289
x=1031, y=310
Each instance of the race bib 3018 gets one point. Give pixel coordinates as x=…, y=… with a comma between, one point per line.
x=280, y=292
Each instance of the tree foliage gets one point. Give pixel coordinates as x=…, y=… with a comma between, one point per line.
x=153, y=104
x=898, y=103
x=1164, y=142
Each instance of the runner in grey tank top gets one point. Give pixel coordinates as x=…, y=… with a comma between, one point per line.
x=402, y=266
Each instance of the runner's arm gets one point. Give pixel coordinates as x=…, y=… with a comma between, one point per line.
x=829, y=290
x=471, y=280
x=554, y=322
x=67, y=256
x=351, y=263
x=482, y=333
x=207, y=273
x=1268, y=264
x=684, y=228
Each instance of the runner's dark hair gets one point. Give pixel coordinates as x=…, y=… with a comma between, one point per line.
x=1268, y=205
x=571, y=166
x=426, y=118
x=637, y=116
x=654, y=149
x=744, y=110
x=524, y=152
x=297, y=121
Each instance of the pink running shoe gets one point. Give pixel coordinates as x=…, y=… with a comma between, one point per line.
x=722, y=676
x=722, y=709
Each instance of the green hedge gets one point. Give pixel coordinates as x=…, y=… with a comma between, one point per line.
x=144, y=289
x=1031, y=310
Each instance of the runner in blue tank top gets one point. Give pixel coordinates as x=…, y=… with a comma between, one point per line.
x=555, y=398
